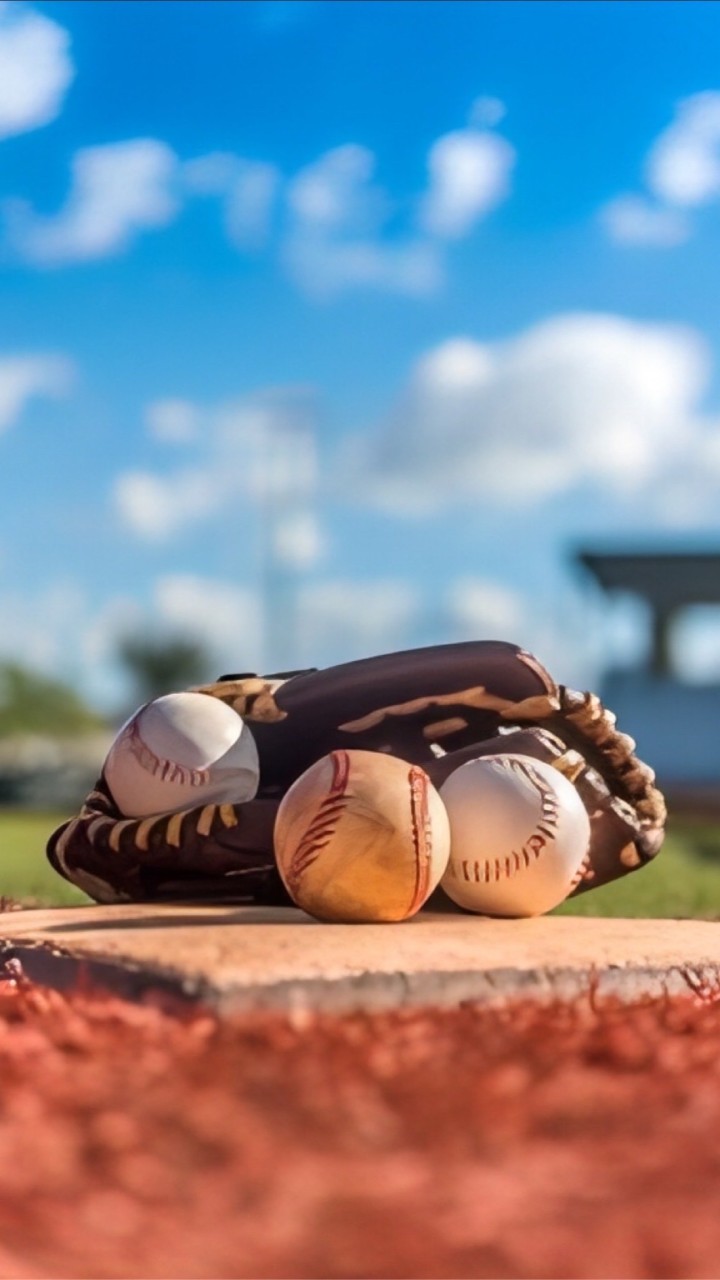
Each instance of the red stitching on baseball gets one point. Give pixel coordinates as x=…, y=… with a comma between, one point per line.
x=536, y=843
x=584, y=872
x=167, y=770
x=323, y=825
x=421, y=834
x=341, y=773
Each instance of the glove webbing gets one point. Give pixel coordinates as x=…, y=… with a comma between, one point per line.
x=581, y=720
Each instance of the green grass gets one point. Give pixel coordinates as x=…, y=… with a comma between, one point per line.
x=684, y=880
x=24, y=869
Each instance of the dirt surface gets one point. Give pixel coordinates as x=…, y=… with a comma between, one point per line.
x=237, y=957
x=568, y=1141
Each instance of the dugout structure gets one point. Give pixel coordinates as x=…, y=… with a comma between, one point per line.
x=674, y=718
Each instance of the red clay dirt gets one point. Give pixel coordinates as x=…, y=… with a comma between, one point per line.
x=516, y=1141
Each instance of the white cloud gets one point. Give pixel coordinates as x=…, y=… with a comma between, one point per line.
x=331, y=226
x=327, y=622
x=487, y=112
x=635, y=220
x=481, y=607
x=342, y=619
x=547, y=624
x=298, y=541
x=345, y=619
x=173, y=421
x=250, y=203
x=683, y=166
x=225, y=617
x=469, y=175
x=209, y=175
x=55, y=628
x=23, y=377
x=335, y=237
x=681, y=172
x=118, y=191
x=248, y=190
x=35, y=69
x=156, y=507
x=59, y=620
x=335, y=194
x=686, y=493
x=323, y=268
x=589, y=400
x=335, y=620
x=250, y=457
x=38, y=628
x=338, y=239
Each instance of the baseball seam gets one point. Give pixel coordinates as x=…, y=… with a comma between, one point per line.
x=159, y=767
x=322, y=827
x=421, y=834
x=495, y=869
x=584, y=872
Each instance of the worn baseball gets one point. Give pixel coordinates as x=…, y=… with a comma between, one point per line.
x=180, y=751
x=361, y=836
x=519, y=834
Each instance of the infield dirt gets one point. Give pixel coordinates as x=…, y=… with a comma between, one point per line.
x=517, y=1141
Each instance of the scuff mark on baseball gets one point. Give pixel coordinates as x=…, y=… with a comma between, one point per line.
x=361, y=836
x=519, y=834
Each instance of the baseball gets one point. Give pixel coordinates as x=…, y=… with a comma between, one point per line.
x=519, y=833
x=361, y=836
x=180, y=751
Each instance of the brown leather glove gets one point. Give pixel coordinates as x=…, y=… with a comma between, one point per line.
x=437, y=707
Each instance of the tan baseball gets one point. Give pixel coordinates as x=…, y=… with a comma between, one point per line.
x=361, y=836
x=519, y=834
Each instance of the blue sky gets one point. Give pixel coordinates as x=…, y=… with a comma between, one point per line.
x=417, y=295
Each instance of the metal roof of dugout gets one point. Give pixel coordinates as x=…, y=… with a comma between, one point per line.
x=667, y=580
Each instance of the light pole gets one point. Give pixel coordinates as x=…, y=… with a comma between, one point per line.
x=288, y=520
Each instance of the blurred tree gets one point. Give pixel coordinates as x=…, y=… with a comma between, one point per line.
x=164, y=665
x=33, y=703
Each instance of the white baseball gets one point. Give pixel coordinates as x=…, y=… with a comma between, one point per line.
x=180, y=751
x=361, y=836
x=519, y=833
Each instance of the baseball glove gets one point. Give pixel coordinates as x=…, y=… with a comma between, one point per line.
x=437, y=707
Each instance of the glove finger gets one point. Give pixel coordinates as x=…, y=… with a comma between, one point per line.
x=117, y=859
